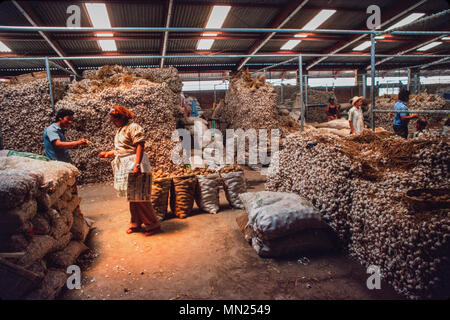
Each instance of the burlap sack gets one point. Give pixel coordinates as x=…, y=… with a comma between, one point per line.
x=303, y=242
x=50, y=287
x=160, y=196
x=67, y=256
x=182, y=195
x=80, y=227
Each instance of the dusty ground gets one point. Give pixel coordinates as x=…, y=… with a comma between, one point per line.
x=203, y=257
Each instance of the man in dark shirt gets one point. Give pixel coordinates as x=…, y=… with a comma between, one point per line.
x=55, y=141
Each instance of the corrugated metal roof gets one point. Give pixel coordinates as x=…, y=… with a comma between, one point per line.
x=190, y=16
x=133, y=46
x=304, y=46
x=127, y=62
x=231, y=45
x=147, y=14
x=54, y=13
x=244, y=13
x=249, y=17
x=181, y=45
x=75, y=47
x=10, y=16
x=4, y=65
x=30, y=47
x=201, y=60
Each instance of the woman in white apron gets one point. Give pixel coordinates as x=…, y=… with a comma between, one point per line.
x=130, y=158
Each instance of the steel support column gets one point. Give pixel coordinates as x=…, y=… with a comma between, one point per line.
x=47, y=68
x=372, y=87
x=364, y=84
x=306, y=96
x=300, y=100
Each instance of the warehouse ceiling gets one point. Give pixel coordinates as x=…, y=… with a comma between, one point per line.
x=346, y=15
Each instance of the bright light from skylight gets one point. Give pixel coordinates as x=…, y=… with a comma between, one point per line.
x=205, y=44
x=99, y=18
x=216, y=20
x=290, y=44
x=363, y=46
x=217, y=16
x=98, y=14
x=429, y=46
x=412, y=17
x=107, y=45
x=4, y=48
x=320, y=18
x=313, y=24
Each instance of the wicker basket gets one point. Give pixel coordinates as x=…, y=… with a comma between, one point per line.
x=415, y=200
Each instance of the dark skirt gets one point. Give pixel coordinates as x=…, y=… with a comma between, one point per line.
x=142, y=213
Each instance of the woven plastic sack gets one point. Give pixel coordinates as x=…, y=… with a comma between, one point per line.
x=160, y=196
x=278, y=214
x=207, y=195
x=182, y=195
x=122, y=166
x=234, y=184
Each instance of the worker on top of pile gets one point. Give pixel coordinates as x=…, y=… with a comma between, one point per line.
x=401, y=119
x=130, y=158
x=421, y=125
x=333, y=109
x=355, y=115
x=55, y=141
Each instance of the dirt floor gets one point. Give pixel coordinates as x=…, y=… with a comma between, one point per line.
x=203, y=256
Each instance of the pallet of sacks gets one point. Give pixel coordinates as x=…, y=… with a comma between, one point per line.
x=280, y=224
x=42, y=228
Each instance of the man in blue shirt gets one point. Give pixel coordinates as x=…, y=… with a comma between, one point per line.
x=55, y=141
x=401, y=119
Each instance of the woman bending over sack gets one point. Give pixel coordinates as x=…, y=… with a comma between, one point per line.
x=130, y=158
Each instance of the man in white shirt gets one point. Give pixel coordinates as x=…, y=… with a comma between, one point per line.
x=355, y=115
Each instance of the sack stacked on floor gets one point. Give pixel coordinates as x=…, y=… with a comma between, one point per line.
x=284, y=224
x=160, y=196
x=234, y=184
x=40, y=219
x=207, y=195
x=182, y=195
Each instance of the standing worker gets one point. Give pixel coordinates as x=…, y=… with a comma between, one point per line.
x=130, y=158
x=356, y=116
x=332, y=109
x=401, y=119
x=55, y=141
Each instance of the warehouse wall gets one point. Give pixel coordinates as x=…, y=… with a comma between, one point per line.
x=206, y=98
x=343, y=94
